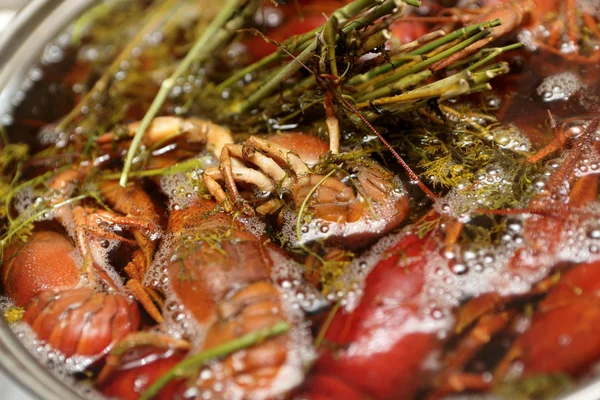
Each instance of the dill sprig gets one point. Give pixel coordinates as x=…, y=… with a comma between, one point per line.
x=541, y=386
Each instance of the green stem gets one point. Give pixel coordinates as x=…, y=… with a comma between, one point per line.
x=4, y=135
x=407, y=108
x=493, y=54
x=404, y=83
x=154, y=20
x=326, y=325
x=294, y=44
x=219, y=32
x=462, y=83
x=329, y=39
x=459, y=33
x=185, y=166
x=273, y=83
x=480, y=88
x=388, y=7
x=489, y=73
x=342, y=15
x=484, y=56
x=32, y=182
x=380, y=86
x=95, y=13
x=13, y=231
x=379, y=38
x=430, y=46
x=196, y=361
x=448, y=87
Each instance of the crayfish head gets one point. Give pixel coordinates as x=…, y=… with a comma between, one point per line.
x=358, y=204
x=382, y=195
x=330, y=198
x=45, y=261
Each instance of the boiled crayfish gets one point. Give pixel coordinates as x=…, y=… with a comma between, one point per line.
x=71, y=302
x=387, y=344
x=221, y=275
x=193, y=313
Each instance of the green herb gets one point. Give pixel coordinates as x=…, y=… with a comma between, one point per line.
x=192, y=364
x=327, y=324
x=222, y=29
x=14, y=314
x=543, y=386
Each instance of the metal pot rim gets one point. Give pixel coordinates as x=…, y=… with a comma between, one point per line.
x=21, y=43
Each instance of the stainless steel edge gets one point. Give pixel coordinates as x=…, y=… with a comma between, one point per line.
x=16, y=32
x=21, y=44
x=13, y=4
x=19, y=364
x=590, y=391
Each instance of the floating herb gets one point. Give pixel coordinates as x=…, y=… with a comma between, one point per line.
x=193, y=363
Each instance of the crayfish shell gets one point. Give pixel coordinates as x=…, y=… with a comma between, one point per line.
x=82, y=321
x=138, y=369
x=45, y=262
x=227, y=289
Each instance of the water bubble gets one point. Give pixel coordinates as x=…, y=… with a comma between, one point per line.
x=594, y=233
x=559, y=87
x=574, y=128
x=436, y=313
x=448, y=253
x=487, y=377
x=514, y=227
x=286, y=284
x=564, y=340
x=460, y=269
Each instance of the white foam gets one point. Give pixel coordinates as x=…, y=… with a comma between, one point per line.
x=560, y=87
x=591, y=7
x=317, y=229
x=354, y=275
x=183, y=188
x=511, y=138
x=289, y=275
x=255, y=226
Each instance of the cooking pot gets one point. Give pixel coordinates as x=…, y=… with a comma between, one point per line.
x=21, y=44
